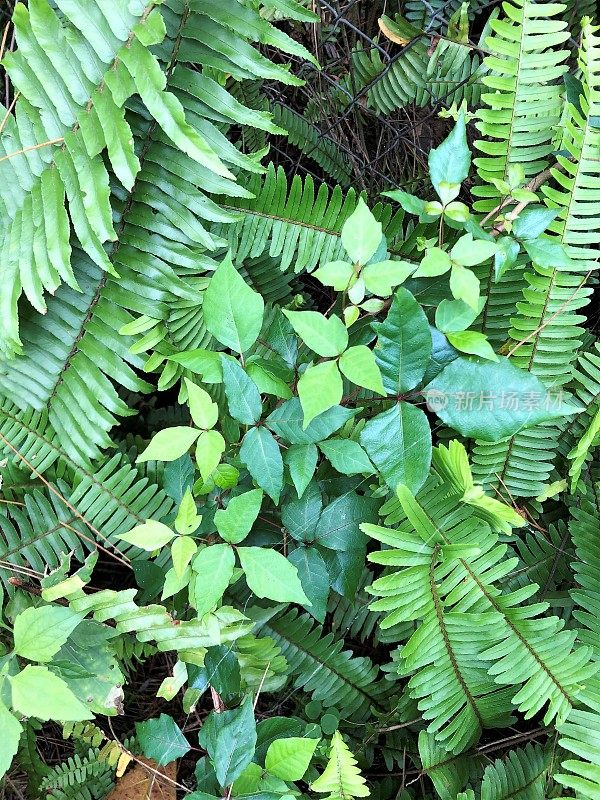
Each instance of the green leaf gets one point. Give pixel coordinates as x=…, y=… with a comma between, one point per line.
x=204, y=412
x=161, y=739
x=398, y=442
x=361, y=234
x=320, y=387
x=187, y=519
x=10, y=734
x=474, y=343
x=403, y=345
x=39, y=693
x=271, y=575
x=301, y=460
x=453, y=316
x=506, y=255
x=341, y=778
x=233, y=312
x=533, y=220
x=209, y=450
x=314, y=577
x=223, y=670
x=300, y=516
x=183, y=550
x=360, y=366
x=326, y=336
x=380, y=278
x=468, y=251
x=347, y=456
x=336, y=274
x=243, y=397
x=150, y=536
x=548, y=253
x=214, y=566
x=436, y=262
x=288, y=759
x=450, y=162
x=261, y=454
x=39, y=633
x=338, y=527
x=287, y=421
x=178, y=476
x=410, y=203
x=491, y=401
x=229, y=738
x=169, y=444
x=464, y=286
x=235, y=522
x=205, y=363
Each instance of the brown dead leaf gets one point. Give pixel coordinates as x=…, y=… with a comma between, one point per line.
x=146, y=781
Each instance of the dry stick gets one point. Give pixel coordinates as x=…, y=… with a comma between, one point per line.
x=56, y=493
x=4, y=38
x=533, y=185
x=33, y=147
x=8, y=110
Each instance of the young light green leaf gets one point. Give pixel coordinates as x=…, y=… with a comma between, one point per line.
x=10, y=734
x=233, y=312
x=183, y=550
x=187, y=519
x=464, y=286
x=361, y=234
x=381, y=278
x=204, y=412
x=453, y=316
x=235, y=522
x=320, y=387
x=261, y=454
x=214, y=567
x=288, y=759
x=150, y=536
x=474, y=343
x=336, y=274
x=271, y=575
x=468, y=251
x=39, y=693
x=450, y=162
x=436, y=262
x=347, y=457
x=360, y=366
x=209, y=449
x=169, y=444
x=40, y=632
x=301, y=460
x=243, y=397
x=398, y=442
x=326, y=336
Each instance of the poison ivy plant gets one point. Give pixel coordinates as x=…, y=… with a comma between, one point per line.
x=343, y=541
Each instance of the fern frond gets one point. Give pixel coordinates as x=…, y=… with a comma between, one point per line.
x=341, y=779
x=321, y=667
x=519, y=776
x=449, y=563
x=299, y=224
x=547, y=325
x=309, y=140
x=525, y=104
